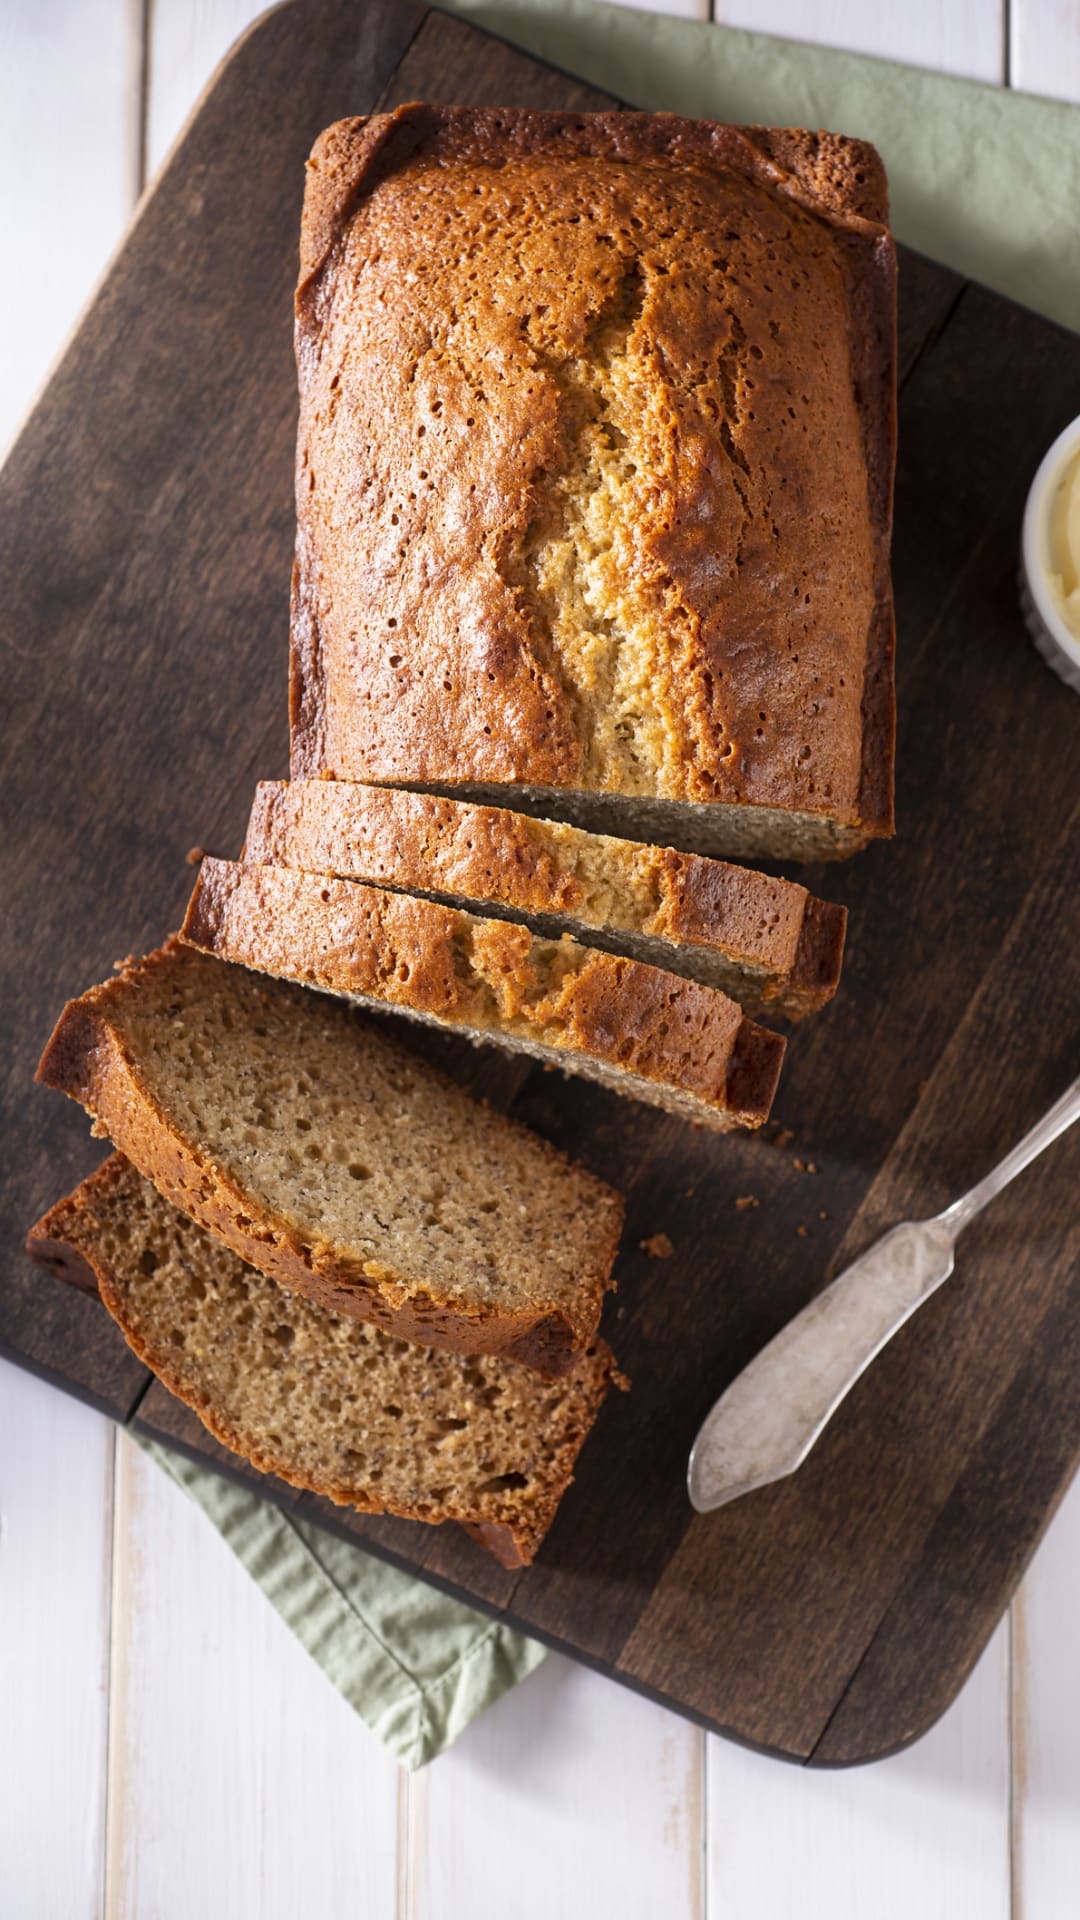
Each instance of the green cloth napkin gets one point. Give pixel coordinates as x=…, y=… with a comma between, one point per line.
x=416, y=1665
x=983, y=179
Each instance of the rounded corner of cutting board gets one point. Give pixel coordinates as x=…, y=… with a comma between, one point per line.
x=841, y=1755
x=236, y=53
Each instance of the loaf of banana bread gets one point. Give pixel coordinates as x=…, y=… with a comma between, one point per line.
x=594, y=473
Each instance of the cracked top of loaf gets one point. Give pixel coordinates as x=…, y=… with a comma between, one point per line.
x=595, y=463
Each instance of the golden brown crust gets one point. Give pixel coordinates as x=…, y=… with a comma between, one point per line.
x=422, y=842
x=88, y=1058
x=843, y=174
x=67, y=1238
x=510, y=1551
x=71, y=1241
x=829, y=173
x=655, y=1032
x=424, y=644
x=46, y=1243
x=818, y=956
x=418, y=841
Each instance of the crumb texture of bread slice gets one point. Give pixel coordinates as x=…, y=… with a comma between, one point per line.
x=616, y=548
x=319, y=1399
x=331, y=1158
x=764, y=941
x=643, y=1032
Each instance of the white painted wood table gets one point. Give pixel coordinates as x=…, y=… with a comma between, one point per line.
x=166, y=1749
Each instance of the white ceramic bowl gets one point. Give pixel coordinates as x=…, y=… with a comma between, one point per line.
x=1042, y=616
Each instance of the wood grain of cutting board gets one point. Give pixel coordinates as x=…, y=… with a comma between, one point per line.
x=147, y=531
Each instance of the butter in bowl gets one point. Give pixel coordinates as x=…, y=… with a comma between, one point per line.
x=1050, y=557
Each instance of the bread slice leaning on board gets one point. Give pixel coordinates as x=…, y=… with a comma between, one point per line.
x=330, y=1158
x=766, y=942
x=324, y=1401
x=642, y=1032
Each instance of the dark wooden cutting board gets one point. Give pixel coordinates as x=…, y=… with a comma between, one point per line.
x=147, y=527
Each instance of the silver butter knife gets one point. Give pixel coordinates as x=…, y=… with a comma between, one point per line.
x=765, y=1424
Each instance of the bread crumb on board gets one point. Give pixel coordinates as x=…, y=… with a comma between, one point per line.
x=657, y=1246
x=194, y=855
x=746, y=1200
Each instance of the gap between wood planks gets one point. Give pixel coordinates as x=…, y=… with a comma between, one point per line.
x=113, y=1835
x=1016, y=1783
x=141, y=31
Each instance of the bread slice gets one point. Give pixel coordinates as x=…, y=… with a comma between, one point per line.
x=766, y=942
x=642, y=1032
x=329, y=1157
x=318, y=1398
x=594, y=473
